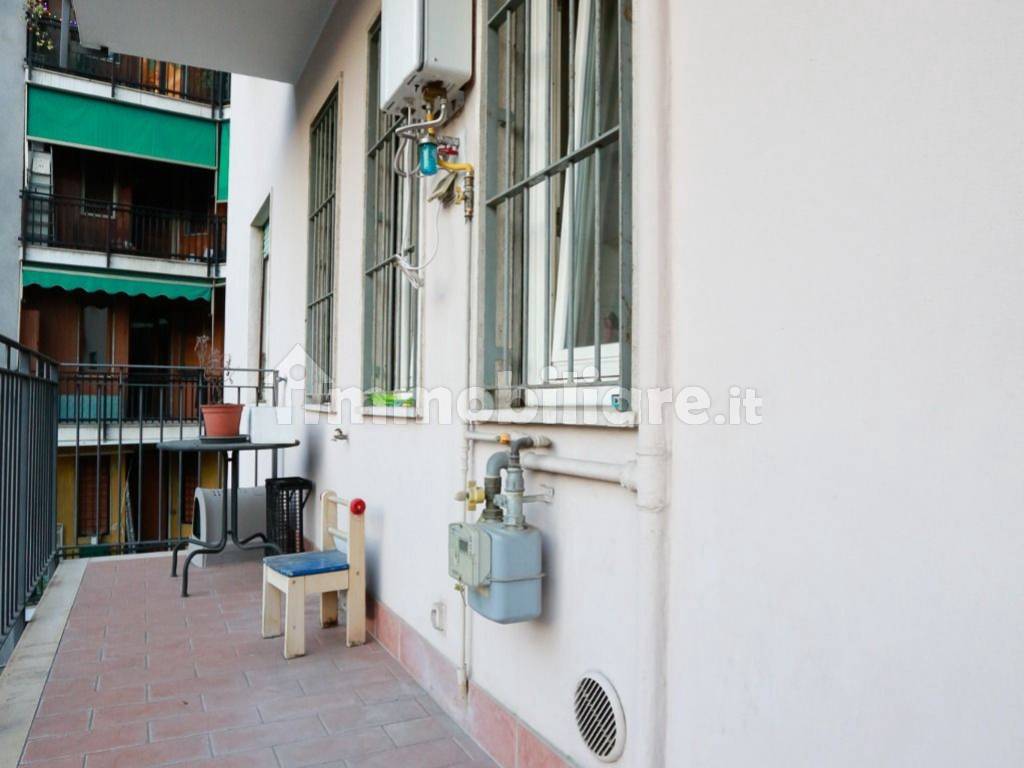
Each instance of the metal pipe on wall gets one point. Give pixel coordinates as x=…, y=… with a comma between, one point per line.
x=623, y=474
x=468, y=456
x=504, y=438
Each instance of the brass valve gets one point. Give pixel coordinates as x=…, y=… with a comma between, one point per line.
x=473, y=495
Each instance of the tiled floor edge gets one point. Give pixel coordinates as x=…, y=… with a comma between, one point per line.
x=22, y=681
x=509, y=741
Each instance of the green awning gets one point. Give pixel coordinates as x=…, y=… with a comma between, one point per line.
x=69, y=118
x=132, y=285
x=224, y=160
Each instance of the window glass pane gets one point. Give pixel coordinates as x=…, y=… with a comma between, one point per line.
x=95, y=338
x=501, y=106
x=609, y=65
x=599, y=170
x=609, y=248
x=264, y=294
x=554, y=250
x=97, y=183
x=590, y=228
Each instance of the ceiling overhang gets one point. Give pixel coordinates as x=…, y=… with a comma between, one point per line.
x=262, y=38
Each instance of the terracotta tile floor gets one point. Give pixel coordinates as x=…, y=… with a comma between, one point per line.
x=145, y=678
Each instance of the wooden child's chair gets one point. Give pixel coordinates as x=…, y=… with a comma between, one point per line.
x=340, y=565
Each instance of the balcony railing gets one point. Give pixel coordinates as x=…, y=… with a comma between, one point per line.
x=180, y=81
x=121, y=494
x=94, y=225
x=28, y=449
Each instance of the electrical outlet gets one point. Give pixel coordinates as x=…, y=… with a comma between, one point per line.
x=438, y=613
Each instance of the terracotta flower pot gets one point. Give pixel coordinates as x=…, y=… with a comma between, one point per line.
x=222, y=420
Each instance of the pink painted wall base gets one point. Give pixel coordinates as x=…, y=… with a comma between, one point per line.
x=507, y=739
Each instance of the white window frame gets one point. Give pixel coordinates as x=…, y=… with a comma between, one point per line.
x=545, y=374
x=584, y=365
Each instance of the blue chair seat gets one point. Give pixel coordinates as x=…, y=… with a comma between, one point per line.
x=308, y=563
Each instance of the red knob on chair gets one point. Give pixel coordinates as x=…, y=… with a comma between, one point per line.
x=357, y=506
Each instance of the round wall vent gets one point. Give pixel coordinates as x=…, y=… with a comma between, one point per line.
x=599, y=717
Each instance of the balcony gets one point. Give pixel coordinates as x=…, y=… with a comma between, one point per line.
x=142, y=677
x=116, y=491
x=177, y=81
x=117, y=669
x=72, y=224
x=128, y=405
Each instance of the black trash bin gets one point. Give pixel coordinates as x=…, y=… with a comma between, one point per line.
x=286, y=496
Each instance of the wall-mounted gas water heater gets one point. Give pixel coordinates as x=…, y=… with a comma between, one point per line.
x=497, y=560
x=426, y=47
x=426, y=59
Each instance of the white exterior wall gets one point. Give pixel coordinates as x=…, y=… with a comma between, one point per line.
x=12, y=160
x=408, y=472
x=847, y=577
x=830, y=197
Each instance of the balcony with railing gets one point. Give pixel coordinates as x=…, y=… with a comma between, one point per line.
x=77, y=224
x=110, y=404
x=28, y=428
x=114, y=666
x=117, y=492
x=195, y=84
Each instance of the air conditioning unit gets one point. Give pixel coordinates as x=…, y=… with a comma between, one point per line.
x=424, y=42
x=208, y=517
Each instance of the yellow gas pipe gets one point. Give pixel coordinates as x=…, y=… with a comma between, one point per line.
x=467, y=186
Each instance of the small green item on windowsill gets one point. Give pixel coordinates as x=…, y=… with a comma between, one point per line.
x=392, y=399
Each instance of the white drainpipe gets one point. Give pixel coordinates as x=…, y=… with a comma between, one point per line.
x=653, y=251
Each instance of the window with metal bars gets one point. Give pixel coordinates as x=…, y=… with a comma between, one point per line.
x=558, y=214
x=323, y=138
x=390, y=302
x=264, y=340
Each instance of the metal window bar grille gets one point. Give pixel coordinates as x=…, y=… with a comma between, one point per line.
x=323, y=137
x=28, y=484
x=558, y=213
x=264, y=298
x=391, y=304
x=102, y=225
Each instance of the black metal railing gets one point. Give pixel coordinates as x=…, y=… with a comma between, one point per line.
x=28, y=484
x=120, y=493
x=97, y=225
x=206, y=86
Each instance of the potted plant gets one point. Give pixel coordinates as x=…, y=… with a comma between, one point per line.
x=221, y=419
x=39, y=19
